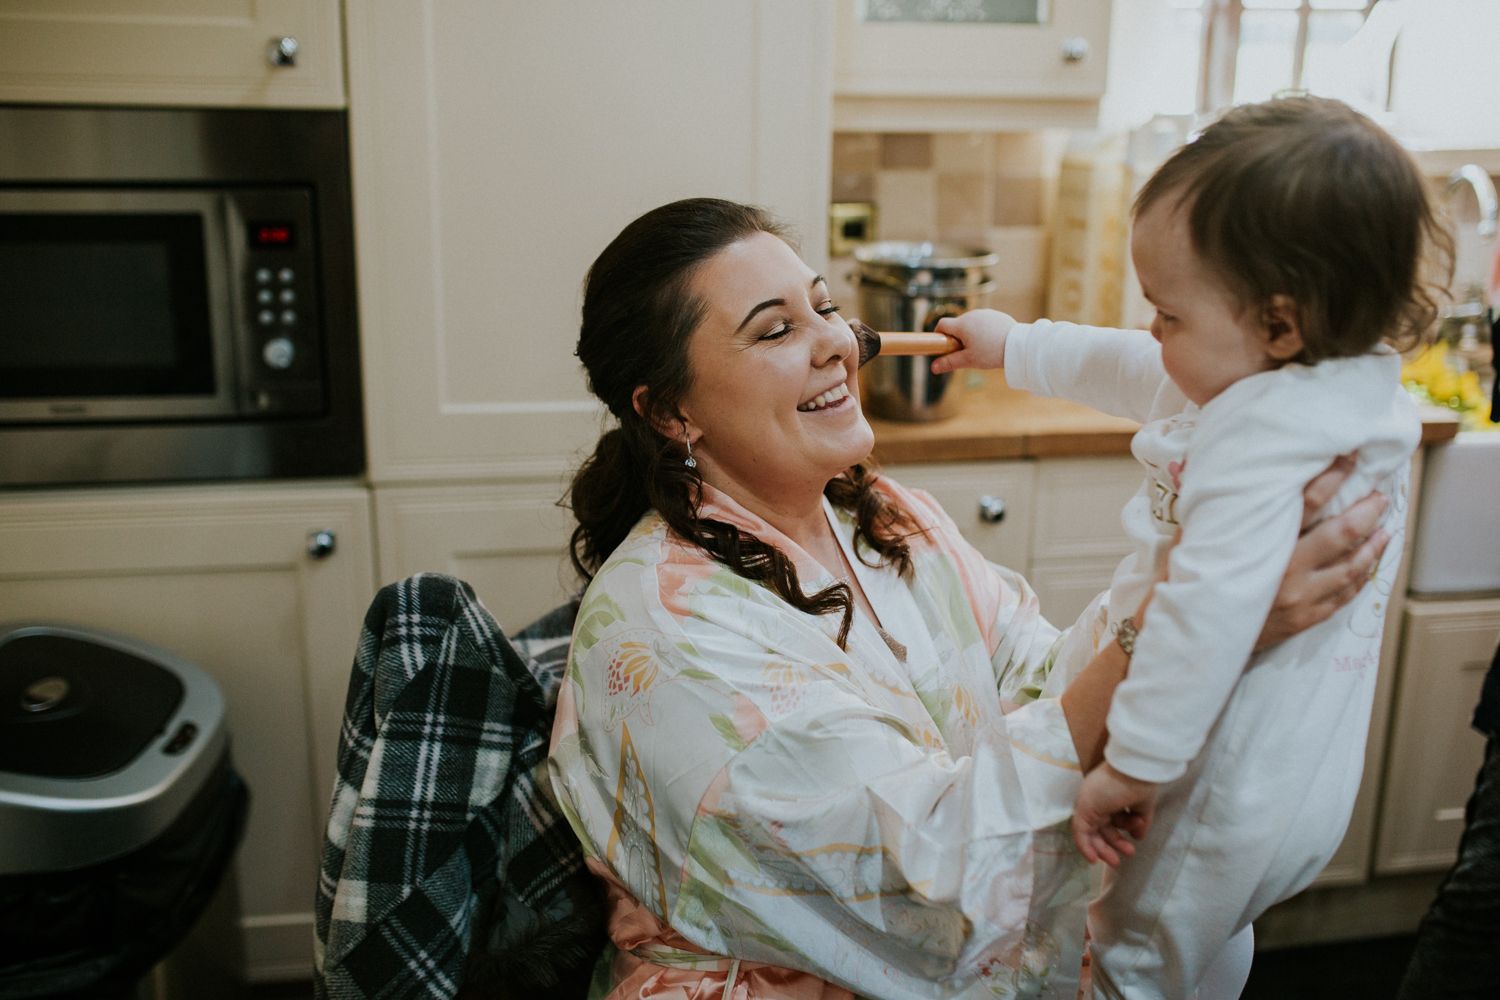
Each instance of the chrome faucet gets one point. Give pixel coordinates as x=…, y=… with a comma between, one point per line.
x=1466, y=319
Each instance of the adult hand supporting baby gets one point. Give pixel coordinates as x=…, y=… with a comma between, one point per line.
x=1332, y=560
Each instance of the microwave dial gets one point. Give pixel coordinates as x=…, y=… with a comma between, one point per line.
x=279, y=353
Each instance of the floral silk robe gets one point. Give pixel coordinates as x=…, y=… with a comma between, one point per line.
x=760, y=801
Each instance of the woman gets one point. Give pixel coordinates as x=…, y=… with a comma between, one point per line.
x=808, y=737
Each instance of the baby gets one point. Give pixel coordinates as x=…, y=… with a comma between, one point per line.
x=1281, y=251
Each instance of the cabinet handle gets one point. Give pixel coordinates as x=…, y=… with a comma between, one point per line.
x=991, y=509
x=1075, y=49
x=282, y=52
x=320, y=544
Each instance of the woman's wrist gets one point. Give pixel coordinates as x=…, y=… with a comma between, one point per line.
x=1125, y=635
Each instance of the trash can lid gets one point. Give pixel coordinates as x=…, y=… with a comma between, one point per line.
x=76, y=709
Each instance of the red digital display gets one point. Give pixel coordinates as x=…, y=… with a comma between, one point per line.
x=272, y=235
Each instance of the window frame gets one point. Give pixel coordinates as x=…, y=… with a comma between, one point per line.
x=1220, y=50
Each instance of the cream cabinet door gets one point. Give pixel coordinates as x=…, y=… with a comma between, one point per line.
x=1078, y=539
x=508, y=541
x=970, y=492
x=222, y=576
x=1434, y=753
x=499, y=147
x=211, y=53
x=895, y=75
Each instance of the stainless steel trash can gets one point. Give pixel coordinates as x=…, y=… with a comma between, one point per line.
x=119, y=808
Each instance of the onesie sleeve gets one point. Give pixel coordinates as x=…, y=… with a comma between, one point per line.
x=1116, y=371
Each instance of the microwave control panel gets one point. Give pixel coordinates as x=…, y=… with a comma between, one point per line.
x=273, y=245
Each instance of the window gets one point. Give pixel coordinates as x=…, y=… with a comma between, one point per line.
x=1254, y=49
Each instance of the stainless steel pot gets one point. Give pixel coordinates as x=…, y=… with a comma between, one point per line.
x=906, y=286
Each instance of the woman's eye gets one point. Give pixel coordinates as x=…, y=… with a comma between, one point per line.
x=779, y=332
x=828, y=310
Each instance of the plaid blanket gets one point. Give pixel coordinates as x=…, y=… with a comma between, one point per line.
x=447, y=870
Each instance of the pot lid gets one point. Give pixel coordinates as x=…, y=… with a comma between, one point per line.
x=924, y=256
x=70, y=708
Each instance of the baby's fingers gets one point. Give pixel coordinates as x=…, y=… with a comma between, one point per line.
x=1117, y=839
x=1092, y=843
x=1135, y=824
x=945, y=363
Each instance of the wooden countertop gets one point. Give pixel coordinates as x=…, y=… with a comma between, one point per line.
x=1000, y=422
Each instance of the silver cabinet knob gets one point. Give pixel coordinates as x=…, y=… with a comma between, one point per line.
x=320, y=544
x=282, y=51
x=991, y=509
x=1075, y=49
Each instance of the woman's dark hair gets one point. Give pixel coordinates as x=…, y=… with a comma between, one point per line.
x=1305, y=197
x=638, y=315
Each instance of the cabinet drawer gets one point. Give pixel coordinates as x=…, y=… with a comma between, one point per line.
x=959, y=487
x=1078, y=504
x=1434, y=752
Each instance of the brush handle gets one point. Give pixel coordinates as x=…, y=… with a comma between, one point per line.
x=918, y=343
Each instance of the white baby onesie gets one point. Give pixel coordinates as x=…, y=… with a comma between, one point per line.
x=1261, y=754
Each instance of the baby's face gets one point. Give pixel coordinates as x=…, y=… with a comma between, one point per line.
x=1208, y=342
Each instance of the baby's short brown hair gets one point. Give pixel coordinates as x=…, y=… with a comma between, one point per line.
x=1305, y=197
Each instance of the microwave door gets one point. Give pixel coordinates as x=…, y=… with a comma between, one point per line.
x=117, y=306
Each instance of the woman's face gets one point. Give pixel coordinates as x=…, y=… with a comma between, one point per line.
x=774, y=403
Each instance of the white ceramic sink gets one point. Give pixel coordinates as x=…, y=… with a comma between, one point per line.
x=1458, y=524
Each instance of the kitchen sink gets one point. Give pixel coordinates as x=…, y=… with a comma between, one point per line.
x=1458, y=540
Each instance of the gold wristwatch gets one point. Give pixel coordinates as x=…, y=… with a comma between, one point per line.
x=1126, y=636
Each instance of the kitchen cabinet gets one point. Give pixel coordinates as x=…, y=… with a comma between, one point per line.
x=183, y=53
x=223, y=577
x=508, y=541
x=958, y=75
x=1078, y=538
x=1061, y=526
x=1002, y=533
x=1434, y=752
x=499, y=147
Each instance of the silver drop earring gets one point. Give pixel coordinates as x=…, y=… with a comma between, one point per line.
x=690, y=462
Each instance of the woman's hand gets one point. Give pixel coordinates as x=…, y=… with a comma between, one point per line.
x=1330, y=565
x=1332, y=561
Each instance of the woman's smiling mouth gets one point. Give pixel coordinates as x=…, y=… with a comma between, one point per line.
x=825, y=400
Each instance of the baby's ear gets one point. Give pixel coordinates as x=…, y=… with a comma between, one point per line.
x=1282, y=322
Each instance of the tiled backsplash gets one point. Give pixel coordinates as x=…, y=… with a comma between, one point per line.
x=979, y=189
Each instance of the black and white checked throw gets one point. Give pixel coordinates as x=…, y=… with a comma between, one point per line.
x=447, y=869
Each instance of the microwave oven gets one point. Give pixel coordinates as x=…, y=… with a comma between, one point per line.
x=127, y=305
x=178, y=299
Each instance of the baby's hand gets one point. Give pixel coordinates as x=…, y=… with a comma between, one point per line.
x=982, y=332
x=1109, y=806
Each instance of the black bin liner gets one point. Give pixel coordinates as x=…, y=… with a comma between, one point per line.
x=95, y=931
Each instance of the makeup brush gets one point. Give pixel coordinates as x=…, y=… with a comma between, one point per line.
x=872, y=343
